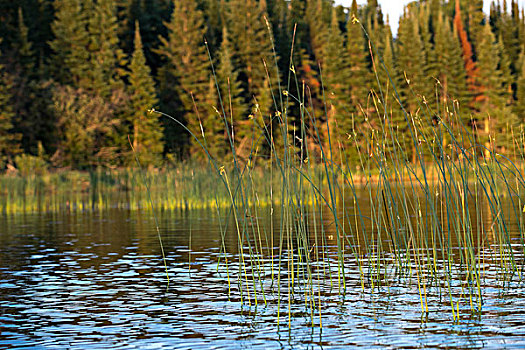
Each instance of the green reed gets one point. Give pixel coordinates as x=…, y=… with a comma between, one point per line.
x=436, y=219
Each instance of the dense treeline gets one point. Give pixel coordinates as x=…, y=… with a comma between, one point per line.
x=78, y=77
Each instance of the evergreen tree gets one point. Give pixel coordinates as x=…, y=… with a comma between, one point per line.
x=30, y=91
x=466, y=47
x=509, y=37
x=150, y=14
x=410, y=60
x=252, y=43
x=430, y=66
x=185, y=75
x=213, y=12
x=475, y=19
x=451, y=72
x=278, y=15
x=8, y=140
x=106, y=59
x=70, y=61
x=336, y=83
x=251, y=38
x=411, y=66
x=87, y=57
x=495, y=117
x=359, y=79
x=146, y=128
x=25, y=50
x=519, y=107
x=235, y=108
x=317, y=29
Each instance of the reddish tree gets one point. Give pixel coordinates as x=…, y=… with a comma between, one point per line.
x=466, y=46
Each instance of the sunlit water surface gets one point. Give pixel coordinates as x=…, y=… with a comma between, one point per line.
x=97, y=280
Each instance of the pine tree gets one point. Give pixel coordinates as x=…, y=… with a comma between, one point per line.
x=359, y=79
x=336, y=83
x=475, y=19
x=430, y=66
x=70, y=61
x=213, y=12
x=317, y=29
x=412, y=86
x=251, y=38
x=88, y=58
x=509, y=37
x=494, y=117
x=252, y=43
x=150, y=14
x=185, y=75
x=278, y=14
x=410, y=60
x=29, y=89
x=8, y=140
x=451, y=72
x=235, y=108
x=106, y=59
x=25, y=49
x=146, y=128
x=466, y=47
x=519, y=107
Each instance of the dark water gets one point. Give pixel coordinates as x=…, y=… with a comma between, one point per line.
x=96, y=280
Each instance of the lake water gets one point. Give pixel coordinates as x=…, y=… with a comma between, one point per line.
x=83, y=280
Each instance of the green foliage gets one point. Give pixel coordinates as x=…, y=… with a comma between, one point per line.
x=443, y=49
x=29, y=165
x=495, y=118
x=185, y=75
x=232, y=106
x=87, y=125
x=519, y=108
x=146, y=129
x=70, y=61
x=8, y=140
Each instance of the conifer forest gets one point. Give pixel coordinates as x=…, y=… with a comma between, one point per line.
x=79, y=78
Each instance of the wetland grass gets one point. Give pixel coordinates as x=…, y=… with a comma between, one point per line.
x=443, y=222
x=439, y=212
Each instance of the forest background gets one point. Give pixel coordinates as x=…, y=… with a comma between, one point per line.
x=79, y=78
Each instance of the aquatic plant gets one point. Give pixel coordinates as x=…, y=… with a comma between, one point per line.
x=436, y=218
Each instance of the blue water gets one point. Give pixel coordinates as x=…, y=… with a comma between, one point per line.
x=97, y=281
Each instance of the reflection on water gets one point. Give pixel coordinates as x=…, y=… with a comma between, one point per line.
x=96, y=280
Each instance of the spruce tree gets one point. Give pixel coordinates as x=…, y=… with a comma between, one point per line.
x=87, y=57
x=236, y=110
x=410, y=60
x=251, y=38
x=146, y=128
x=9, y=145
x=519, y=107
x=252, y=43
x=451, y=72
x=411, y=66
x=25, y=49
x=106, y=59
x=70, y=61
x=509, y=37
x=495, y=119
x=317, y=28
x=467, y=54
x=185, y=74
x=359, y=79
x=336, y=83
x=150, y=14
